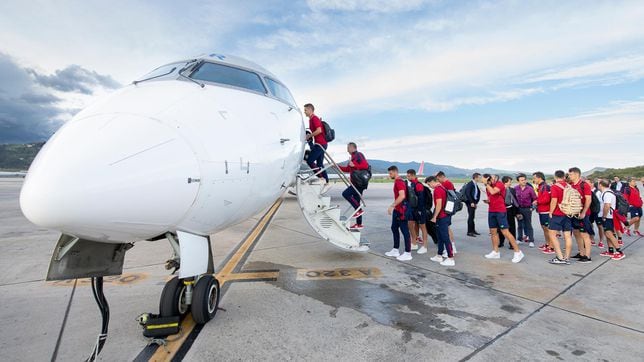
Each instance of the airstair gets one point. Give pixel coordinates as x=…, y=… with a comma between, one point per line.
x=327, y=219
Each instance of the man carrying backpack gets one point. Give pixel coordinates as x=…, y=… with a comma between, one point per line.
x=449, y=186
x=632, y=194
x=581, y=223
x=418, y=220
x=472, y=197
x=609, y=204
x=498, y=217
x=399, y=212
x=559, y=222
x=353, y=194
x=512, y=210
x=442, y=221
x=320, y=144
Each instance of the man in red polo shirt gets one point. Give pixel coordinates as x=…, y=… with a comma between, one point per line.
x=399, y=212
x=448, y=185
x=543, y=209
x=581, y=224
x=559, y=222
x=442, y=221
x=317, y=143
x=498, y=217
x=632, y=194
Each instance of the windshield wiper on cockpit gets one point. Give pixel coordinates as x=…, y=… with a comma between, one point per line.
x=186, y=67
x=156, y=76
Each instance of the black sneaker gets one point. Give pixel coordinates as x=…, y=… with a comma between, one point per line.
x=578, y=256
x=584, y=259
x=558, y=261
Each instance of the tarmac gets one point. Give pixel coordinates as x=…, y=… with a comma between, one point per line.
x=289, y=295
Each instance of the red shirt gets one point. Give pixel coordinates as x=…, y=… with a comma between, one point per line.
x=497, y=201
x=440, y=193
x=633, y=196
x=359, y=162
x=556, y=192
x=400, y=184
x=315, y=123
x=543, y=198
x=448, y=185
x=586, y=192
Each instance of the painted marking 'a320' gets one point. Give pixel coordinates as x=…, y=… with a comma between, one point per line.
x=338, y=273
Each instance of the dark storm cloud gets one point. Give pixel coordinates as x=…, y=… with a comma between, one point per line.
x=75, y=78
x=29, y=112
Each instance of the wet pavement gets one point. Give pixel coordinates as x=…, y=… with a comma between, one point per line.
x=327, y=304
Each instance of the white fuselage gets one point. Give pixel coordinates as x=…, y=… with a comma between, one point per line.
x=162, y=156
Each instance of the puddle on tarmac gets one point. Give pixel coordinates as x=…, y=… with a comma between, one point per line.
x=426, y=313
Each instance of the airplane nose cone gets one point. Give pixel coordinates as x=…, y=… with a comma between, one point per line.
x=111, y=177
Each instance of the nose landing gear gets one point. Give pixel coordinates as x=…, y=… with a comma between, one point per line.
x=201, y=298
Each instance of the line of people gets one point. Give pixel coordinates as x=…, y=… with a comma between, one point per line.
x=571, y=206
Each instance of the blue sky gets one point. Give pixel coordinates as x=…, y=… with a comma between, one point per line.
x=506, y=84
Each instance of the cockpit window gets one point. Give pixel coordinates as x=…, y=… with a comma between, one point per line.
x=217, y=73
x=279, y=91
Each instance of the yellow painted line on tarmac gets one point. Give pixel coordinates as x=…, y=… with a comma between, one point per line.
x=338, y=273
x=225, y=275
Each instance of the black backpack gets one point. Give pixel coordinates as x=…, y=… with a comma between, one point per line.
x=361, y=178
x=622, y=205
x=412, y=198
x=455, y=197
x=329, y=133
x=429, y=201
x=595, y=204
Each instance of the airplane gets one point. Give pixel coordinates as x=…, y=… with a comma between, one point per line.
x=187, y=150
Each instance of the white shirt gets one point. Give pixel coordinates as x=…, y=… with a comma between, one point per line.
x=607, y=197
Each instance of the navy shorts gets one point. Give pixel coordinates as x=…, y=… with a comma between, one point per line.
x=584, y=225
x=635, y=211
x=560, y=223
x=544, y=219
x=497, y=220
x=609, y=225
x=419, y=216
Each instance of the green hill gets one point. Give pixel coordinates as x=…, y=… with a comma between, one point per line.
x=18, y=157
x=622, y=173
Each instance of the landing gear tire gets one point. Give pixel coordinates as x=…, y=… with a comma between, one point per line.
x=173, y=299
x=205, y=299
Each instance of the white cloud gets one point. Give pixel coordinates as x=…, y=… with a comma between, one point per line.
x=501, y=96
x=586, y=140
x=494, y=46
x=383, y=6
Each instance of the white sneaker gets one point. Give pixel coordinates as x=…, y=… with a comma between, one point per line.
x=436, y=258
x=327, y=186
x=393, y=252
x=531, y=244
x=448, y=262
x=404, y=257
x=445, y=254
x=493, y=255
x=518, y=257
x=414, y=247
x=422, y=250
